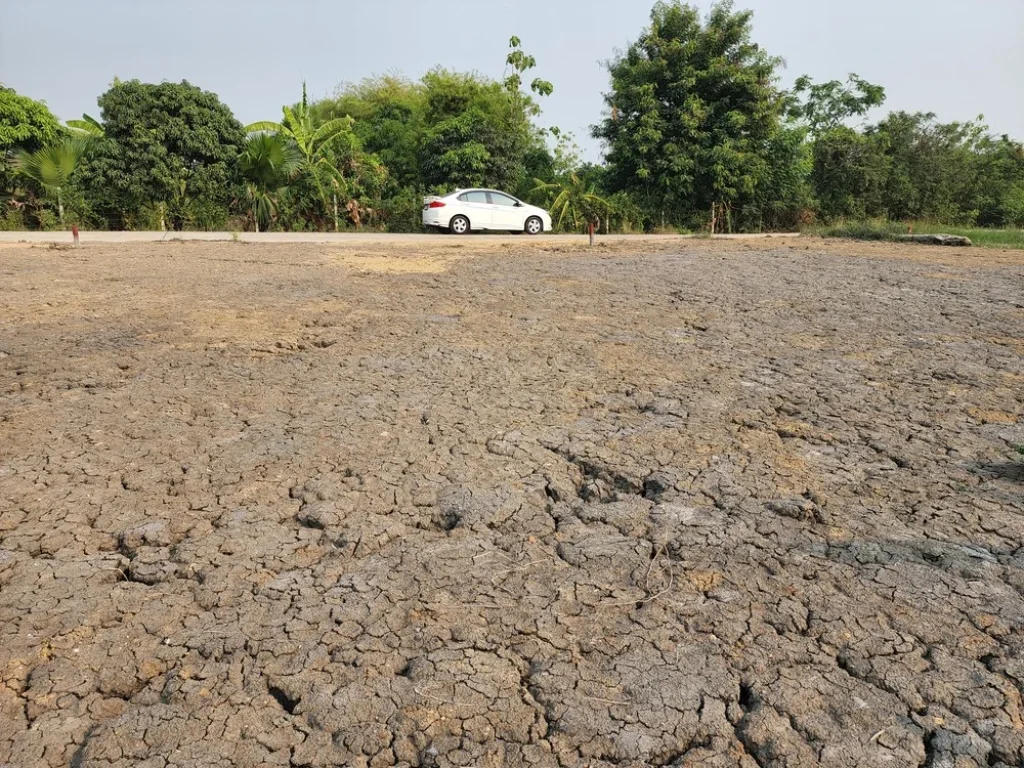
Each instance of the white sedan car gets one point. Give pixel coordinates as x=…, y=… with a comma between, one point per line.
x=465, y=210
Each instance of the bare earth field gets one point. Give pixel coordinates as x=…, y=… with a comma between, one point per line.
x=745, y=503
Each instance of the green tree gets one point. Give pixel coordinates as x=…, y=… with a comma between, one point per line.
x=624, y=214
x=1011, y=209
x=785, y=199
x=475, y=133
x=849, y=174
x=51, y=167
x=267, y=163
x=931, y=167
x=446, y=130
x=523, y=107
x=528, y=144
x=25, y=124
x=519, y=63
x=693, y=109
x=825, y=106
x=169, y=148
x=911, y=166
x=387, y=118
x=999, y=198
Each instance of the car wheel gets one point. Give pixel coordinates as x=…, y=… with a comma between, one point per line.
x=534, y=226
x=459, y=225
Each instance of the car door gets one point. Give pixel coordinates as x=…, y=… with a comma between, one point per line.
x=506, y=212
x=477, y=208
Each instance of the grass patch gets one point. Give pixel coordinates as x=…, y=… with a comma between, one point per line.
x=987, y=238
x=670, y=231
x=876, y=229
x=861, y=230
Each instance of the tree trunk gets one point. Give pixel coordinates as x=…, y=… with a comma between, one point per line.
x=60, y=208
x=334, y=197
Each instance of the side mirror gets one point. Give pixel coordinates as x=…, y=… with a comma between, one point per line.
x=518, y=204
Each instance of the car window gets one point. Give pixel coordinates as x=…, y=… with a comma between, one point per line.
x=473, y=197
x=499, y=199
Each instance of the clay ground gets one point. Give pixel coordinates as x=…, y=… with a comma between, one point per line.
x=469, y=504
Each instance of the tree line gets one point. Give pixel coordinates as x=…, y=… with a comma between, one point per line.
x=698, y=134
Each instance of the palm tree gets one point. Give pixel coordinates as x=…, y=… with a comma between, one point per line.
x=572, y=203
x=51, y=167
x=318, y=147
x=87, y=127
x=267, y=162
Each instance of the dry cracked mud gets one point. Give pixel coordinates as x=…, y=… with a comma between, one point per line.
x=654, y=504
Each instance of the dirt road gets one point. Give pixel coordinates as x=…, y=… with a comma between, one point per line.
x=480, y=504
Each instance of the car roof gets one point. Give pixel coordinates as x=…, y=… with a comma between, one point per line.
x=482, y=189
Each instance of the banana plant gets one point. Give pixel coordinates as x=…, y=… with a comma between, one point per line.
x=51, y=167
x=572, y=203
x=87, y=127
x=319, y=148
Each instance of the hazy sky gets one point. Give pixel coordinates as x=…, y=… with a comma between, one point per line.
x=959, y=58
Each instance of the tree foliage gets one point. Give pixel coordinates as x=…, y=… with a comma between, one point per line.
x=825, y=106
x=331, y=155
x=519, y=63
x=446, y=130
x=387, y=118
x=697, y=127
x=910, y=166
x=168, y=147
x=693, y=108
x=847, y=174
x=25, y=123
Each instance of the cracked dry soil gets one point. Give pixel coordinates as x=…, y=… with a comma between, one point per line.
x=676, y=503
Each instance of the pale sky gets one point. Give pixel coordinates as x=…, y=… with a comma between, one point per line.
x=958, y=58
